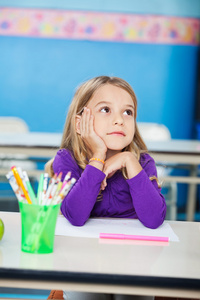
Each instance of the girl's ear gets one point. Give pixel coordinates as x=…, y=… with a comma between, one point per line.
x=78, y=121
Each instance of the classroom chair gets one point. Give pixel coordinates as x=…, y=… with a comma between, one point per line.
x=10, y=125
x=13, y=125
x=159, y=132
x=56, y=294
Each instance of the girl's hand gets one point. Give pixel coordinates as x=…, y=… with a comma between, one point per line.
x=89, y=136
x=117, y=162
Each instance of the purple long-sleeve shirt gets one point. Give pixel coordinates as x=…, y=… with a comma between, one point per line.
x=136, y=198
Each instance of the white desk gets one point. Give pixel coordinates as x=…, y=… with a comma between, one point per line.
x=35, y=144
x=40, y=144
x=87, y=264
x=45, y=145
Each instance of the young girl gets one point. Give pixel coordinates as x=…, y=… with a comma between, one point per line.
x=103, y=149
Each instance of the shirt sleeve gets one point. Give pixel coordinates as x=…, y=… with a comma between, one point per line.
x=78, y=204
x=147, y=199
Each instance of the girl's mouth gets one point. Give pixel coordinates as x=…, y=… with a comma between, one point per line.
x=120, y=133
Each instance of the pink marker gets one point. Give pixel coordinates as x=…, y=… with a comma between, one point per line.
x=133, y=237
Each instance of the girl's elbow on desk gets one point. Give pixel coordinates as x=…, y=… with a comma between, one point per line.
x=154, y=223
x=75, y=219
x=78, y=223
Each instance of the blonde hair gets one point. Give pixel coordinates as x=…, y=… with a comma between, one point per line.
x=73, y=141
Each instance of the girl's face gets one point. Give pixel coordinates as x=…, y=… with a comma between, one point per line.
x=113, y=111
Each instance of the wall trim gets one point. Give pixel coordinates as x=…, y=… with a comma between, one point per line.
x=99, y=26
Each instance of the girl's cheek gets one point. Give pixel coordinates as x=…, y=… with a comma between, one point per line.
x=98, y=127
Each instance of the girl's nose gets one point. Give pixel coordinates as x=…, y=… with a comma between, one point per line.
x=118, y=119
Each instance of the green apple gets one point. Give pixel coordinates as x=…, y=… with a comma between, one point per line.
x=1, y=229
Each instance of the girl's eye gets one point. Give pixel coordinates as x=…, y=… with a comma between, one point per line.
x=105, y=109
x=128, y=112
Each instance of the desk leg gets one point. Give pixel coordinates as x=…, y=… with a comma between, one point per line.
x=192, y=192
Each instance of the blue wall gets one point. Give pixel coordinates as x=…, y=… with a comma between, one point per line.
x=38, y=76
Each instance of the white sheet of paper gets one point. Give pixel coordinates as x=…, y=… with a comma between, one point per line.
x=93, y=227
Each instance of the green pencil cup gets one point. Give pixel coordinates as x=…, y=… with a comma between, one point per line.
x=38, y=223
